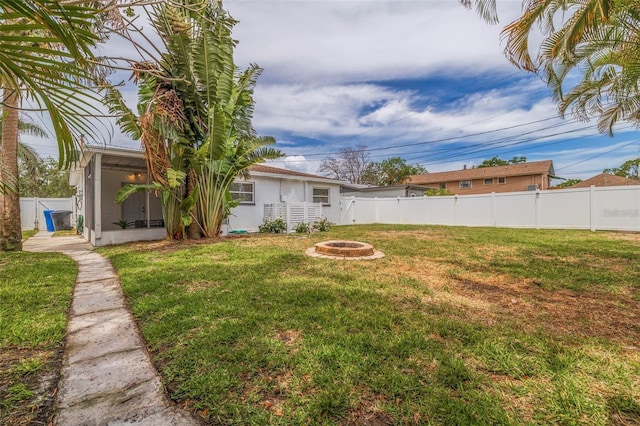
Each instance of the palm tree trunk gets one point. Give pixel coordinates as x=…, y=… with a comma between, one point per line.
x=10, y=228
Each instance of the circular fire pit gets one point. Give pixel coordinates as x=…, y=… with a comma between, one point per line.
x=353, y=250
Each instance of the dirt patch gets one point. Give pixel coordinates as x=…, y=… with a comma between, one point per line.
x=567, y=312
x=289, y=337
x=626, y=236
x=493, y=299
x=37, y=408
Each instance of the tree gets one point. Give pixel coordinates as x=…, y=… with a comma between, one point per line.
x=349, y=165
x=568, y=183
x=629, y=169
x=437, y=192
x=45, y=180
x=391, y=171
x=195, y=109
x=497, y=161
x=598, y=40
x=43, y=47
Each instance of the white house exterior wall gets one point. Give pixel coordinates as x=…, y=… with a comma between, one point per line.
x=268, y=189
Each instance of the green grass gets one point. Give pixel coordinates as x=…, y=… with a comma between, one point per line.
x=35, y=292
x=453, y=326
x=29, y=233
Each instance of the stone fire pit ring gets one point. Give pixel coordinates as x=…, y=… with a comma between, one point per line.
x=347, y=250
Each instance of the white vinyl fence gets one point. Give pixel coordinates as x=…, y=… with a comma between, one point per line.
x=293, y=213
x=31, y=211
x=595, y=208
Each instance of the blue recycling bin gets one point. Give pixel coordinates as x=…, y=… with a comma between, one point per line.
x=49, y=220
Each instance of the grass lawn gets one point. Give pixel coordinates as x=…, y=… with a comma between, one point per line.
x=29, y=233
x=453, y=326
x=35, y=292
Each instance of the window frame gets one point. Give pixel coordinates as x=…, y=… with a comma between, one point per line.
x=484, y=181
x=460, y=184
x=253, y=192
x=442, y=185
x=328, y=196
x=504, y=181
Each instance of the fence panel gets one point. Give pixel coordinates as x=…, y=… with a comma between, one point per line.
x=31, y=210
x=565, y=209
x=440, y=210
x=474, y=210
x=515, y=210
x=606, y=208
x=293, y=213
x=617, y=209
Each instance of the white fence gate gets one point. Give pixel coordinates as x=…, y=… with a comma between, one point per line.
x=293, y=213
x=31, y=211
x=595, y=208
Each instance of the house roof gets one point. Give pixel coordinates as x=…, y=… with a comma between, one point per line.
x=387, y=188
x=261, y=168
x=606, y=179
x=522, y=169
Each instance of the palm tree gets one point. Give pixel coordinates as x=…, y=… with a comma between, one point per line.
x=194, y=116
x=43, y=48
x=599, y=39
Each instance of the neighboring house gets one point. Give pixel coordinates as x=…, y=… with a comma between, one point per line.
x=402, y=190
x=511, y=178
x=101, y=172
x=606, y=179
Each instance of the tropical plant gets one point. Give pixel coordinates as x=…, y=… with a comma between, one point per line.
x=194, y=116
x=44, y=45
x=597, y=40
x=123, y=224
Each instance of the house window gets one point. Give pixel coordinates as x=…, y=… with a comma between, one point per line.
x=321, y=195
x=488, y=181
x=243, y=191
x=465, y=184
x=443, y=186
x=502, y=180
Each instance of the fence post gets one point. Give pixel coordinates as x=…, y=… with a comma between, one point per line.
x=538, y=208
x=493, y=209
x=375, y=210
x=593, y=216
x=288, y=214
x=455, y=210
x=36, y=224
x=353, y=211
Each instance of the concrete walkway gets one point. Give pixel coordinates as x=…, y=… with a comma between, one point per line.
x=107, y=377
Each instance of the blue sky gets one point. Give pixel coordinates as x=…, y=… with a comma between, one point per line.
x=423, y=80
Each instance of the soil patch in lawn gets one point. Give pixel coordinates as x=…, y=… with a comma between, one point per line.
x=497, y=298
x=29, y=395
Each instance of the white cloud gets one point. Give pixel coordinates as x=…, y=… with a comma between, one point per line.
x=331, y=41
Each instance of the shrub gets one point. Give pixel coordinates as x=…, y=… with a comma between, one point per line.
x=275, y=226
x=303, y=228
x=439, y=192
x=322, y=225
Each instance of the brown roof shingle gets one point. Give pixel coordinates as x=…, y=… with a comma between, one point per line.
x=533, y=168
x=606, y=179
